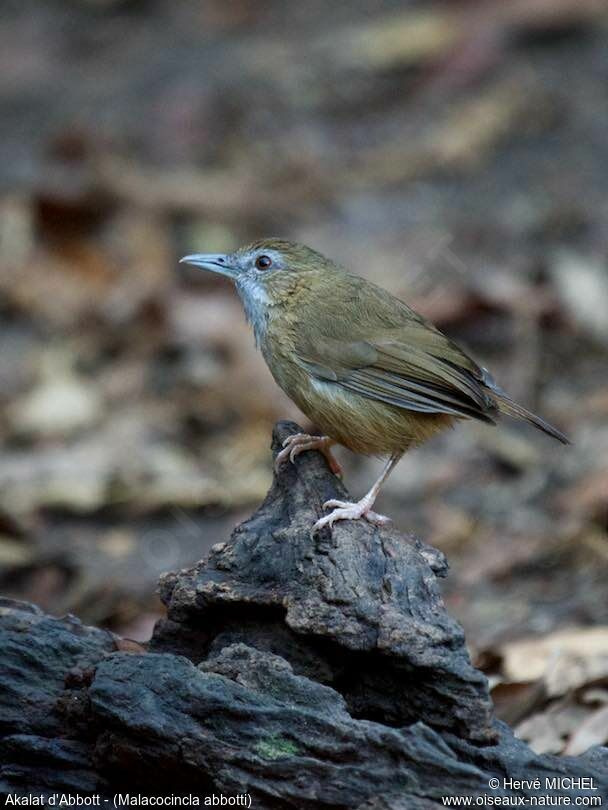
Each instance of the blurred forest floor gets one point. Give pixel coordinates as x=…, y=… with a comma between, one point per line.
x=455, y=152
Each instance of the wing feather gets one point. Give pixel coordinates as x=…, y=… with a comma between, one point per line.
x=438, y=378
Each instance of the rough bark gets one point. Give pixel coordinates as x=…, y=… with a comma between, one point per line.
x=308, y=672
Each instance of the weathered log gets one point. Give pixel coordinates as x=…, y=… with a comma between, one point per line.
x=306, y=672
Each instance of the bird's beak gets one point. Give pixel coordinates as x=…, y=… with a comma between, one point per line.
x=216, y=262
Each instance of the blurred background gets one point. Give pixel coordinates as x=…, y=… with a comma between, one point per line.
x=454, y=152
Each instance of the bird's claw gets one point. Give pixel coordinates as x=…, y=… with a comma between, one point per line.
x=299, y=442
x=345, y=510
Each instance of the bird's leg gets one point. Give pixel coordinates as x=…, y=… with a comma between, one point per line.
x=298, y=442
x=343, y=510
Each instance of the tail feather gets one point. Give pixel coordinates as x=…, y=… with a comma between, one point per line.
x=507, y=406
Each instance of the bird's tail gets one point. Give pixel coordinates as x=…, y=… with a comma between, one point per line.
x=507, y=406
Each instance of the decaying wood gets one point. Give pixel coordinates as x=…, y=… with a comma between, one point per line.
x=307, y=672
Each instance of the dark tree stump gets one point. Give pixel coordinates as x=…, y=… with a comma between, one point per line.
x=357, y=608
x=307, y=672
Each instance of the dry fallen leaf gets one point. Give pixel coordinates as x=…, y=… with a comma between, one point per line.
x=59, y=405
x=564, y=660
x=582, y=284
x=515, y=701
x=14, y=553
x=547, y=731
x=394, y=40
x=592, y=731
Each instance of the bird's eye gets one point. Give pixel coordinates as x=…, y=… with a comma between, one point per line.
x=263, y=262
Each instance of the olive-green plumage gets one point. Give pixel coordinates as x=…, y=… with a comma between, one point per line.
x=370, y=372
x=343, y=370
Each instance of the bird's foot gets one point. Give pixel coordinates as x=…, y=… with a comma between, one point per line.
x=299, y=442
x=344, y=510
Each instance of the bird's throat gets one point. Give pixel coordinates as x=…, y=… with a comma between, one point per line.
x=256, y=304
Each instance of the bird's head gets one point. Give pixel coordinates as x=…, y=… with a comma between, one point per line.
x=266, y=273
x=262, y=262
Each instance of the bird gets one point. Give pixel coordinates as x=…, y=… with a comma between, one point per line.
x=370, y=372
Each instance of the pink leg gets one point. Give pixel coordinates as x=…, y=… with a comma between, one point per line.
x=299, y=442
x=343, y=510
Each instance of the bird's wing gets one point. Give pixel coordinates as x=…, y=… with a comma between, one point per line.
x=411, y=365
